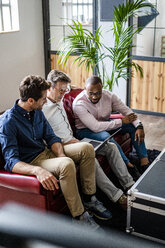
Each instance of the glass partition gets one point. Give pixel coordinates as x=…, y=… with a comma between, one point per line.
x=63, y=12
x=150, y=41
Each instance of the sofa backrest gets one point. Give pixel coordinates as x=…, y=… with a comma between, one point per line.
x=68, y=100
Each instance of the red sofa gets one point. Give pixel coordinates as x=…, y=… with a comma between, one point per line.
x=27, y=189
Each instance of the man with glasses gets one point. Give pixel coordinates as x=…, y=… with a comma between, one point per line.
x=92, y=109
x=56, y=115
x=30, y=147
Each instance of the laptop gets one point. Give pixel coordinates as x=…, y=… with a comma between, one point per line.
x=99, y=144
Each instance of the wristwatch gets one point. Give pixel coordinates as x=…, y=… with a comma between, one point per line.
x=139, y=125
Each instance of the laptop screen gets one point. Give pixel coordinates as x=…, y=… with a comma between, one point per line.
x=94, y=143
x=97, y=144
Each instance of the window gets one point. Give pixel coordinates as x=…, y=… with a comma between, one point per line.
x=150, y=40
x=80, y=10
x=63, y=12
x=9, y=16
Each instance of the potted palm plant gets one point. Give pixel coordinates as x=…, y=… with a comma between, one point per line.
x=89, y=47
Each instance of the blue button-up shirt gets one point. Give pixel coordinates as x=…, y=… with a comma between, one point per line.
x=22, y=137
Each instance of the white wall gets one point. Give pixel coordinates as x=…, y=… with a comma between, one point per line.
x=108, y=40
x=21, y=53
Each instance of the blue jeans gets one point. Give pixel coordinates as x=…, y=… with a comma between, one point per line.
x=126, y=128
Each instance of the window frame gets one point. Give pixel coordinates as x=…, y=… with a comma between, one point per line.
x=70, y=4
x=46, y=31
x=11, y=7
x=145, y=58
x=2, y=5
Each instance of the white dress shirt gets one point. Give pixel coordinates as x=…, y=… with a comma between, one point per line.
x=57, y=118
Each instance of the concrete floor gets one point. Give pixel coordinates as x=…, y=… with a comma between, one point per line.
x=154, y=127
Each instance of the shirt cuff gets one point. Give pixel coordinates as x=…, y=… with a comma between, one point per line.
x=139, y=124
x=55, y=140
x=9, y=166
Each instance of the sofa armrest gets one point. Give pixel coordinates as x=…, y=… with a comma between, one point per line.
x=20, y=182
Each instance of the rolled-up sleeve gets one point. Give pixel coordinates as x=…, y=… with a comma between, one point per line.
x=118, y=105
x=9, y=146
x=91, y=122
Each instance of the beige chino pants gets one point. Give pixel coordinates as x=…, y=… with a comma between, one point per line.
x=64, y=169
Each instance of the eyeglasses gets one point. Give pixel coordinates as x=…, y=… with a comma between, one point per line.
x=62, y=91
x=95, y=94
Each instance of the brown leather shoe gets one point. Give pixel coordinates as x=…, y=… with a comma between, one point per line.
x=144, y=161
x=123, y=202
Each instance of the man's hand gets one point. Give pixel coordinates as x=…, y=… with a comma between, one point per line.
x=58, y=150
x=47, y=179
x=129, y=118
x=139, y=134
x=72, y=141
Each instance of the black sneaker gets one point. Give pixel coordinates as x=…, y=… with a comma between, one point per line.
x=142, y=168
x=97, y=208
x=86, y=220
x=134, y=172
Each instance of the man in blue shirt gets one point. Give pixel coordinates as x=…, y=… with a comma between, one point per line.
x=30, y=147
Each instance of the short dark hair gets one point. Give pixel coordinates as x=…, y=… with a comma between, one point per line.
x=93, y=80
x=55, y=76
x=32, y=87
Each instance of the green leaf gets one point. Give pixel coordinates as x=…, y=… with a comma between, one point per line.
x=90, y=49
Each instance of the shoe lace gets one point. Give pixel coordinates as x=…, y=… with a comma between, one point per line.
x=99, y=206
x=90, y=220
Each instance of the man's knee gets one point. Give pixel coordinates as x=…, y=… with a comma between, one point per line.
x=112, y=146
x=103, y=135
x=87, y=149
x=68, y=167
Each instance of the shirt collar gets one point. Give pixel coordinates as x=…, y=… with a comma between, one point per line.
x=22, y=111
x=86, y=95
x=53, y=103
